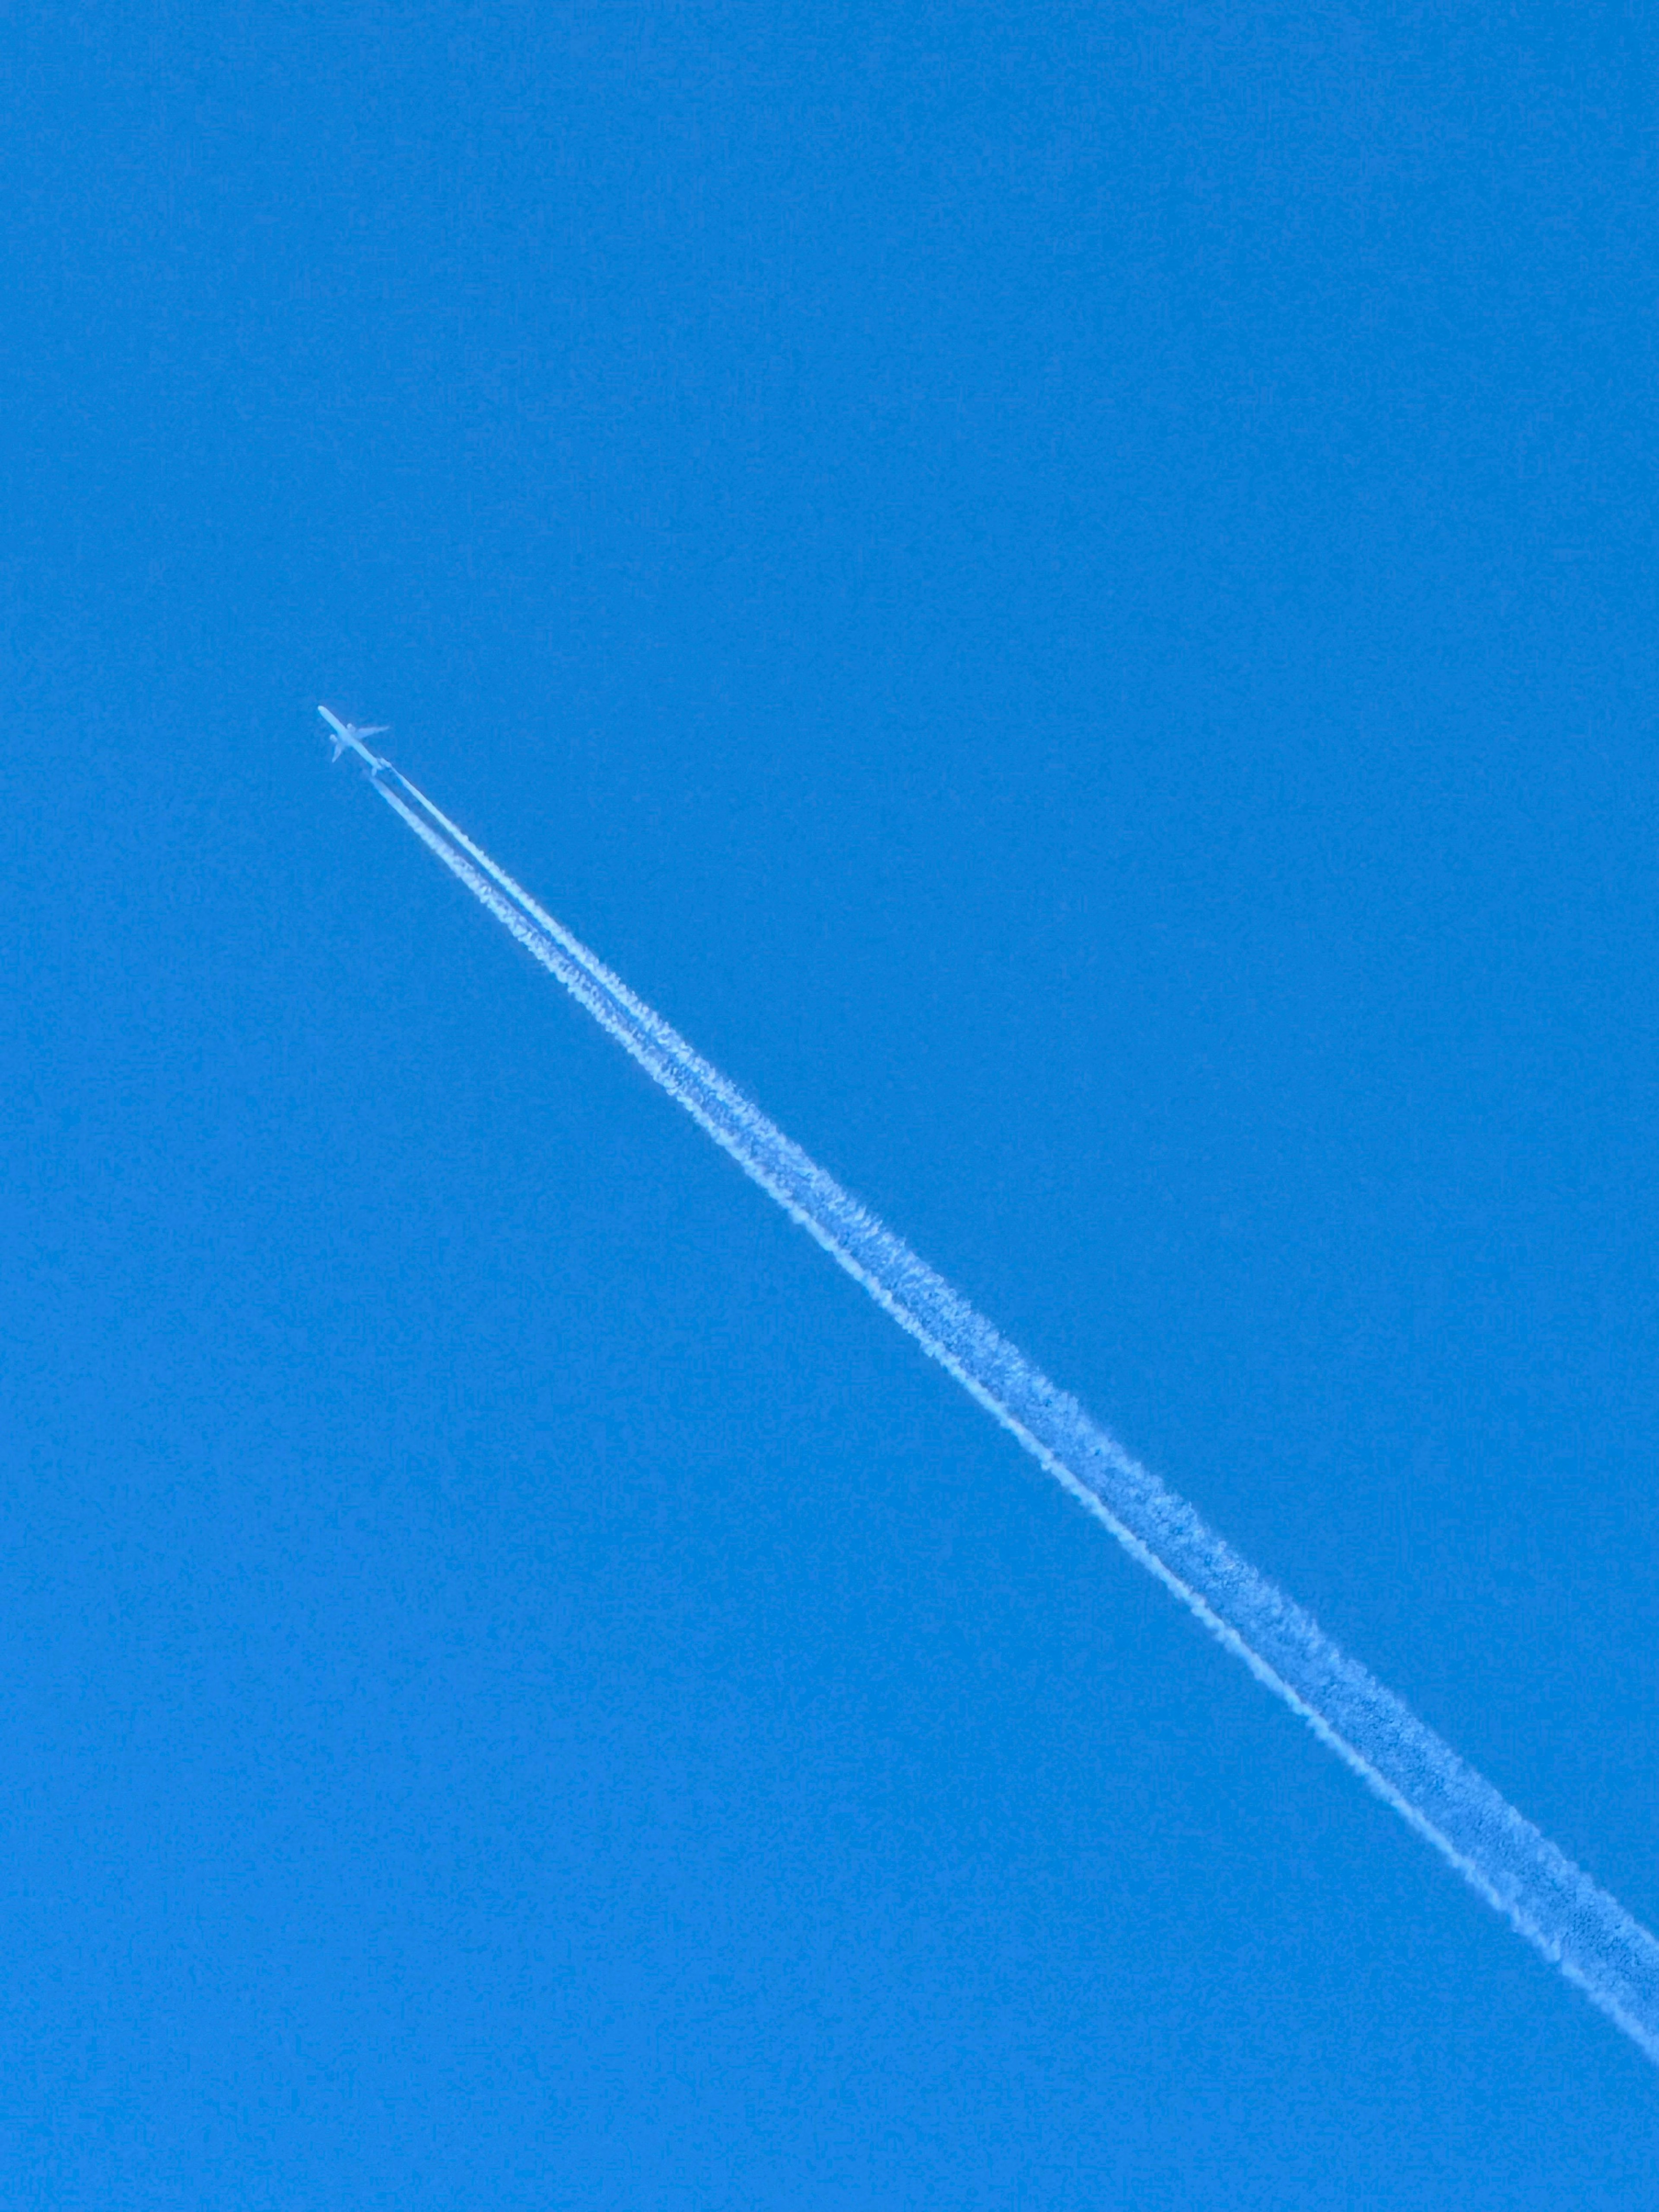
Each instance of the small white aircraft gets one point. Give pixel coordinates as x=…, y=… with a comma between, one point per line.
x=348, y=737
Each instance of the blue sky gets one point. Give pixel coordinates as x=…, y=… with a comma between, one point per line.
x=1069, y=591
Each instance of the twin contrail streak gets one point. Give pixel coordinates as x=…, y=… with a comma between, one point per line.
x=1548, y=1899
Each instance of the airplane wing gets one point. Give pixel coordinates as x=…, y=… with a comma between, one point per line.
x=347, y=736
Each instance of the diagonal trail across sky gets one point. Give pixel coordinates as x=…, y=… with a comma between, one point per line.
x=1548, y=1898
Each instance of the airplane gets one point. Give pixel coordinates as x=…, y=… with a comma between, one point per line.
x=349, y=735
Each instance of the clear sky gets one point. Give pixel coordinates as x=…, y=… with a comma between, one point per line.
x=1069, y=591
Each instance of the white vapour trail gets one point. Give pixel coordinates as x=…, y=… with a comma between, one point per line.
x=1552, y=1902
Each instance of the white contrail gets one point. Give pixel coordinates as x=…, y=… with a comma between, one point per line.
x=1552, y=1902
